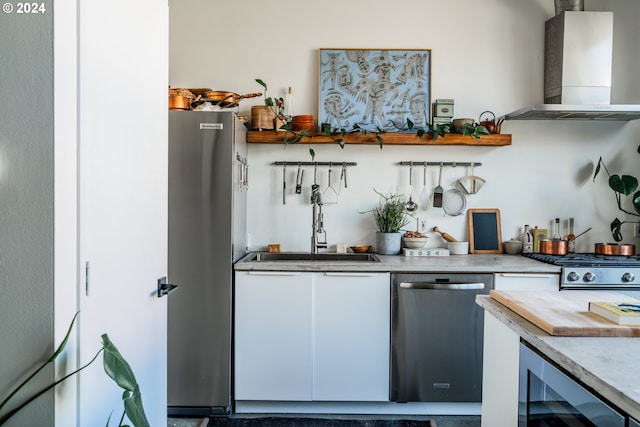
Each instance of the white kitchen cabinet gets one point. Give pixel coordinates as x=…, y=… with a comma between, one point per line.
x=273, y=340
x=351, y=336
x=526, y=281
x=501, y=353
x=312, y=336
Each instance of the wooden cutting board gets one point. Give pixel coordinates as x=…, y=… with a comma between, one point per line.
x=566, y=313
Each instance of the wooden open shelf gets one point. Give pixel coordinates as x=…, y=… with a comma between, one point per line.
x=390, y=138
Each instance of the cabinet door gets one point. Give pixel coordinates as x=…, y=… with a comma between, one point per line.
x=526, y=282
x=273, y=359
x=351, y=336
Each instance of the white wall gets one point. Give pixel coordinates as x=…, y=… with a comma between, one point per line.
x=486, y=55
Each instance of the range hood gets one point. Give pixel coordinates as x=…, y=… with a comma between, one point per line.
x=577, y=71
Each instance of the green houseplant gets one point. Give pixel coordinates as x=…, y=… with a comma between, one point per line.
x=390, y=217
x=621, y=185
x=115, y=366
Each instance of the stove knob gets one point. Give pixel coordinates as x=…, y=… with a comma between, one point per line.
x=628, y=277
x=573, y=276
x=589, y=277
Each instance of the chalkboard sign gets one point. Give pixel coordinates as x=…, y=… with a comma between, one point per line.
x=485, y=235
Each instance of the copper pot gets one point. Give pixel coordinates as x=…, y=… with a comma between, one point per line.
x=615, y=249
x=226, y=99
x=178, y=102
x=554, y=247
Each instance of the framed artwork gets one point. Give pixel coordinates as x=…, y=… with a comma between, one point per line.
x=375, y=89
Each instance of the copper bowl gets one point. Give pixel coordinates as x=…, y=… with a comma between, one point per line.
x=302, y=122
x=360, y=248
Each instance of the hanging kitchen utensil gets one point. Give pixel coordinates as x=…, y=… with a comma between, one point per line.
x=330, y=195
x=284, y=183
x=423, y=202
x=411, y=205
x=299, y=177
x=454, y=202
x=343, y=177
x=471, y=183
x=438, y=191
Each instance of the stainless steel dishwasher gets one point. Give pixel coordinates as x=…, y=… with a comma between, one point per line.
x=436, y=337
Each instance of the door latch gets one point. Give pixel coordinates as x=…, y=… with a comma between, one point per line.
x=165, y=288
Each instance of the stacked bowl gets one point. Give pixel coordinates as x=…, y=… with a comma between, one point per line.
x=303, y=122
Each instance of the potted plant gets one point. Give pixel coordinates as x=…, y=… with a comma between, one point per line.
x=622, y=185
x=276, y=106
x=115, y=366
x=390, y=216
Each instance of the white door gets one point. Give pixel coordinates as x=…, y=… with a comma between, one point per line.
x=123, y=56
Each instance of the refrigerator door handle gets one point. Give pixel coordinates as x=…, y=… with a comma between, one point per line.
x=165, y=288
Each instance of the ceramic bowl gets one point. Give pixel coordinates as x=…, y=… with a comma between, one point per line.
x=414, y=242
x=360, y=248
x=458, y=248
x=512, y=247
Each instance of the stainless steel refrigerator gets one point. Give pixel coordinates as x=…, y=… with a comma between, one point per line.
x=207, y=234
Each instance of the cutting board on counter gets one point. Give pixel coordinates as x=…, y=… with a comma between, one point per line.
x=566, y=313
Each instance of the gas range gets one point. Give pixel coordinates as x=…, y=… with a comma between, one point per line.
x=594, y=271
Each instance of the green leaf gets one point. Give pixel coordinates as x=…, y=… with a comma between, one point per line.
x=615, y=229
x=297, y=139
x=624, y=184
x=116, y=366
x=481, y=130
x=410, y=124
x=598, y=168
x=304, y=132
x=379, y=139
x=261, y=83
x=420, y=132
x=312, y=152
x=636, y=202
x=341, y=142
x=133, y=408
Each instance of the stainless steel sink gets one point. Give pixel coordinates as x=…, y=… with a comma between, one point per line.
x=306, y=256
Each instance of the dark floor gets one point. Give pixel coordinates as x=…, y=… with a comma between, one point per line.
x=441, y=420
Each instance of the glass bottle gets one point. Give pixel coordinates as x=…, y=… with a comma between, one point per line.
x=289, y=104
x=571, y=238
x=556, y=230
x=527, y=240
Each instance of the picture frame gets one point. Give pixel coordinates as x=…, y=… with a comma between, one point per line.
x=485, y=231
x=374, y=89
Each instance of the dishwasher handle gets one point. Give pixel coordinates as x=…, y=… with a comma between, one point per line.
x=447, y=286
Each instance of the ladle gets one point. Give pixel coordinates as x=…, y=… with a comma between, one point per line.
x=411, y=205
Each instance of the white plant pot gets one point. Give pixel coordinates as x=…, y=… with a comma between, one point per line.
x=388, y=243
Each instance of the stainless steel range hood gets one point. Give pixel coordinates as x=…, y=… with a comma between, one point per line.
x=577, y=71
x=610, y=112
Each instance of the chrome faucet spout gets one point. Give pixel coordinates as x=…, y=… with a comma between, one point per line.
x=317, y=220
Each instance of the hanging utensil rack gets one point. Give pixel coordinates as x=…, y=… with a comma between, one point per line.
x=281, y=163
x=414, y=163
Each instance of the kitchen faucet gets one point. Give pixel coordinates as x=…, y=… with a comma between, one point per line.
x=317, y=226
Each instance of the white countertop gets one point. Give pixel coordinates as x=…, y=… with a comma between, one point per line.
x=609, y=365
x=471, y=263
